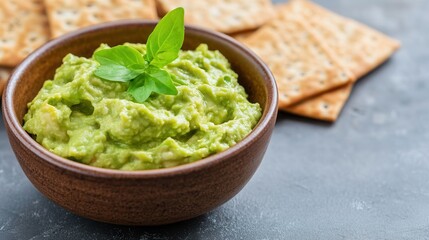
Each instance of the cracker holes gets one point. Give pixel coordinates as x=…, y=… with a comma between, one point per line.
x=374, y=38
x=296, y=89
x=275, y=27
x=235, y=19
x=304, y=35
x=318, y=49
x=95, y=16
x=67, y=13
x=324, y=106
x=26, y=51
x=215, y=12
x=32, y=39
x=278, y=54
x=284, y=96
x=271, y=45
x=349, y=59
x=370, y=58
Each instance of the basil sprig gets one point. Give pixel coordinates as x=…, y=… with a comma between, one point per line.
x=145, y=73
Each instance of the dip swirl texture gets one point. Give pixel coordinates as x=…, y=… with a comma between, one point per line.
x=96, y=122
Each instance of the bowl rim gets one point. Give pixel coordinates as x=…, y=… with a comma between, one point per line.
x=11, y=120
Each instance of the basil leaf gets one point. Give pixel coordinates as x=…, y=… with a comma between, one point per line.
x=155, y=80
x=164, y=43
x=115, y=63
x=141, y=88
x=121, y=55
x=115, y=73
x=163, y=82
x=126, y=64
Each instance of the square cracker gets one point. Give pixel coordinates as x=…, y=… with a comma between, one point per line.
x=358, y=47
x=4, y=76
x=302, y=65
x=222, y=15
x=65, y=15
x=24, y=27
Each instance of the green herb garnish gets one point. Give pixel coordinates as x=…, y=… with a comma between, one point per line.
x=145, y=73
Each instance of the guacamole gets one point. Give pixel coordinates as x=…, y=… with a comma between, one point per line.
x=97, y=122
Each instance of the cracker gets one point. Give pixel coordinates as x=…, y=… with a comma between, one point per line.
x=359, y=48
x=242, y=36
x=302, y=65
x=223, y=15
x=23, y=28
x=65, y=15
x=4, y=76
x=325, y=107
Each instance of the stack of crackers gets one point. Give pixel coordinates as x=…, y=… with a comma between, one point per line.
x=315, y=55
x=28, y=24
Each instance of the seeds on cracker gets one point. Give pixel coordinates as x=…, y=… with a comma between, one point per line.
x=65, y=16
x=301, y=63
x=23, y=28
x=223, y=15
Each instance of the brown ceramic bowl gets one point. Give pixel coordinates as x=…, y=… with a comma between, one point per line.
x=150, y=197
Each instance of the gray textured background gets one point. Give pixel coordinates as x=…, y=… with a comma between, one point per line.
x=365, y=177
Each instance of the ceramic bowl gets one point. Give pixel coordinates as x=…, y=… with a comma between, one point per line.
x=150, y=197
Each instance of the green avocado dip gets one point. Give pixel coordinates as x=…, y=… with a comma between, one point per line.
x=96, y=122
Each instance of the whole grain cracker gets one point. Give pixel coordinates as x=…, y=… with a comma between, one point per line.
x=65, y=16
x=302, y=65
x=325, y=107
x=358, y=47
x=23, y=28
x=4, y=76
x=222, y=15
